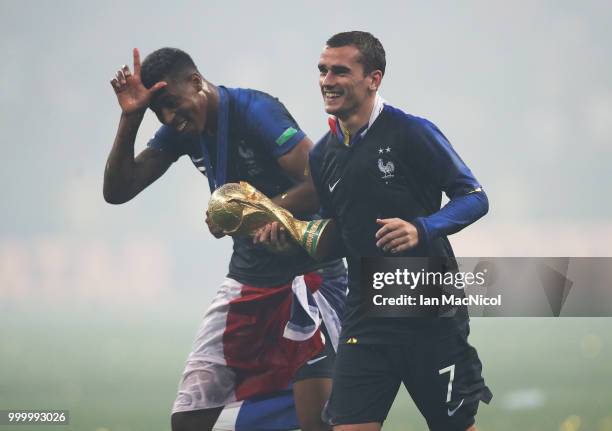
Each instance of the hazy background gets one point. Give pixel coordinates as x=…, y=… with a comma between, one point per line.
x=99, y=303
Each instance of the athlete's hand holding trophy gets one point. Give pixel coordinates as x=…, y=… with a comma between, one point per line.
x=239, y=209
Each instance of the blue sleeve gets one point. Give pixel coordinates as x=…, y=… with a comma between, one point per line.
x=166, y=139
x=273, y=125
x=442, y=165
x=459, y=212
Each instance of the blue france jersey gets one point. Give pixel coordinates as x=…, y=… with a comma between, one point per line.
x=399, y=168
x=259, y=131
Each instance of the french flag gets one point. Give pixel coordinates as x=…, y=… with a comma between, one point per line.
x=253, y=340
x=274, y=412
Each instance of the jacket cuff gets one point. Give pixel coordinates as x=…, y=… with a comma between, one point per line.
x=422, y=230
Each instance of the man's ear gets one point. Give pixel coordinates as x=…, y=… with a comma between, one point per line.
x=197, y=81
x=376, y=79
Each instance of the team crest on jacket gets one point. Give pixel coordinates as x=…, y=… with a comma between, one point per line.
x=386, y=167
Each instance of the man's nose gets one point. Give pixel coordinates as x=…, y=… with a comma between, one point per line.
x=328, y=80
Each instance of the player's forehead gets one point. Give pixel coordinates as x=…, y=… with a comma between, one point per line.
x=347, y=56
x=170, y=92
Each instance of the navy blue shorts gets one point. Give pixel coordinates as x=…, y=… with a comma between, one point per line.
x=443, y=377
x=320, y=366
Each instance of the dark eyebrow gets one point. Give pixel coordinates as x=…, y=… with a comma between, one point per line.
x=337, y=69
x=340, y=69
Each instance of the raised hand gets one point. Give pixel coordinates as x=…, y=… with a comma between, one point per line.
x=132, y=95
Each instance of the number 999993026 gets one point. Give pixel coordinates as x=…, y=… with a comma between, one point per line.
x=32, y=417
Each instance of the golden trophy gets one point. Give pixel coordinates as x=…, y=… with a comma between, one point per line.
x=239, y=209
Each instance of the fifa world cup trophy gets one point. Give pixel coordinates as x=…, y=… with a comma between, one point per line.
x=239, y=209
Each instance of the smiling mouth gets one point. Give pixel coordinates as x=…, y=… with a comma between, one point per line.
x=181, y=126
x=331, y=95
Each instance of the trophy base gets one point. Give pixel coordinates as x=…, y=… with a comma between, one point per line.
x=318, y=238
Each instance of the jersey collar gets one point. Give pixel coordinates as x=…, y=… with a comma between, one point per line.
x=343, y=136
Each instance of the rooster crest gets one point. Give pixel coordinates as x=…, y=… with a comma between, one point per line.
x=245, y=153
x=386, y=168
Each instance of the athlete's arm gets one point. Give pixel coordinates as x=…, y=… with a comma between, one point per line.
x=396, y=235
x=461, y=211
x=338, y=249
x=299, y=199
x=125, y=176
x=444, y=168
x=467, y=200
x=302, y=197
x=284, y=140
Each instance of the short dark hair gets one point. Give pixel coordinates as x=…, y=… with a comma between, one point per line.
x=166, y=63
x=371, y=50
